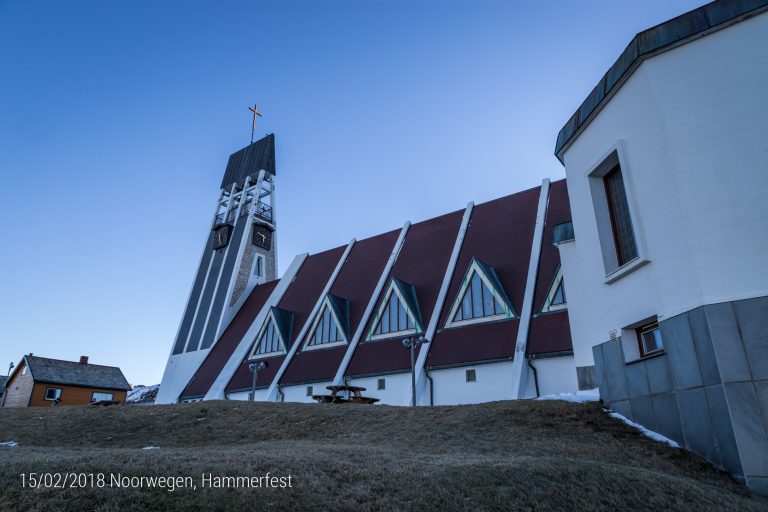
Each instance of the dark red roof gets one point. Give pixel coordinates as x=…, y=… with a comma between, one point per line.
x=230, y=339
x=550, y=332
x=355, y=283
x=422, y=263
x=299, y=299
x=500, y=234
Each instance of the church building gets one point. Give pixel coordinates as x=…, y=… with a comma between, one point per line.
x=480, y=284
x=643, y=273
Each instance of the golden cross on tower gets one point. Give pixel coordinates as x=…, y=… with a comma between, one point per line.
x=256, y=113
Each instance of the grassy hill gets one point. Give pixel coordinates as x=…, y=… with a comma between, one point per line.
x=526, y=455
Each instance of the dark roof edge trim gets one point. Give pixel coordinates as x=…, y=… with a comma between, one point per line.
x=665, y=36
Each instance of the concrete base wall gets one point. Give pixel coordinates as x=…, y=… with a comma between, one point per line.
x=708, y=390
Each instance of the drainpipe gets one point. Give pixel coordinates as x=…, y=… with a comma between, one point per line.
x=431, y=384
x=535, y=377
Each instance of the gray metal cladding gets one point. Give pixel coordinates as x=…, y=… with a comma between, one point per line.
x=194, y=297
x=249, y=161
x=221, y=293
x=205, y=301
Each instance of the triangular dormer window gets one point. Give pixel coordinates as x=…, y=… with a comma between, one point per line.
x=271, y=338
x=330, y=327
x=556, y=296
x=398, y=314
x=481, y=298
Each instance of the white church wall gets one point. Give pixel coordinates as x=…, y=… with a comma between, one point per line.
x=493, y=381
x=556, y=375
x=261, y=395
x=395, y=387
x=689, y=125
x=299, y=393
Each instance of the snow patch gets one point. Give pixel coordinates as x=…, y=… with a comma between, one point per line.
x=648, y=433
x=10, y=444
x=151, y=448
x=579, y=397
x=142, y=394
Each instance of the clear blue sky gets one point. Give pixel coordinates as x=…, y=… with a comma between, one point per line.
x=117, y=119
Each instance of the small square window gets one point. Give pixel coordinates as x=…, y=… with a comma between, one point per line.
x=52, y=393
x=471, y=376
x=382, y=384
x=310, y=392
x=649, y=338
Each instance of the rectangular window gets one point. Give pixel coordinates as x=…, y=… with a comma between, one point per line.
x=98, y=397
x=471, y=376
x=621, y=222
x=52, y=393
x=382, y=384
x=309, y=391
x=649, y=338
x=257, y=267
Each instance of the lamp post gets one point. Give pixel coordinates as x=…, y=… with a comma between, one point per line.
x=255, y=367
x=412, y=343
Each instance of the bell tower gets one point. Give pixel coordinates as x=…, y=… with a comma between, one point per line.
x=240, y=252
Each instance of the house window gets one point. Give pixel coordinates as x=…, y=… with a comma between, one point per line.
x=618, y=210
x=649, y=338
x=310, y=391
x=258, y=267
x=269, y=342
x=326, y=330
x=98, y=397
x=478, y=302
x=382, y=384
x=394, y=317
x=558, y=299
x=24, y=370
x=471, y=376
x=52, y=393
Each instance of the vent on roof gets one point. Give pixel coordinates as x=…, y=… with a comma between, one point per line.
x=83, y=359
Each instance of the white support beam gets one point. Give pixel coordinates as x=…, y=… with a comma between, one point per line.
x=339, y=378
x=521, y=374
x=219, y=386
x=273, y=388
x=422, y=390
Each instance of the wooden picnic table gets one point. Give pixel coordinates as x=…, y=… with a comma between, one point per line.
x=354, y=395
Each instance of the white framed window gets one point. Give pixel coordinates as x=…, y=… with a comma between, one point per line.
x=326, y=330
x=98, y=396
x=649, y=339
x=52, y=393
x=269, y=340
x=24, y=370
x=395, y=316
x=480, y=298
x=556, y=295
x=618, y=223
x=310, y=391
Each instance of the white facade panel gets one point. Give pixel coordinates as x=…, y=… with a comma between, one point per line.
x=396, y=385
x=689, y=124
x=493, y=382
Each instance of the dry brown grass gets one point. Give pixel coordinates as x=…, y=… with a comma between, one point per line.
x=525, y=455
